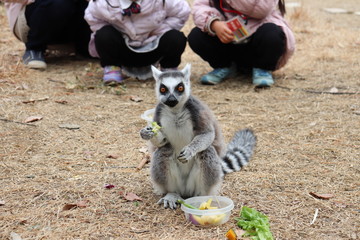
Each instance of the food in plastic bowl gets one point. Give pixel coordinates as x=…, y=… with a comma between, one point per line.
x=207, y=210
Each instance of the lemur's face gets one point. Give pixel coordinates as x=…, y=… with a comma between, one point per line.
x=173, y=87
x=171, y=92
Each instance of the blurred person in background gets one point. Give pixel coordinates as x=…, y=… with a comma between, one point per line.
x=131, y=35
x=40, y=23
x=251, y=35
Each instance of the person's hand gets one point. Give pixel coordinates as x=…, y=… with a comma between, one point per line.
x=222, y=31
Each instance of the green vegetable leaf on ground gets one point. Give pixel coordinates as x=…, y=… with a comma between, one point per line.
x=255, y=224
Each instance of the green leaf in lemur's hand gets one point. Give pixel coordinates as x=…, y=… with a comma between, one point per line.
x=155, y=127
x=255, y=224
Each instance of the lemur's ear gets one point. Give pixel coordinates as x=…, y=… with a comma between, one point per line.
x=156, y=72
x=187, y=71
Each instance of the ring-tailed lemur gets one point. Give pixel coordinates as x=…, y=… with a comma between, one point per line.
x=189, y=155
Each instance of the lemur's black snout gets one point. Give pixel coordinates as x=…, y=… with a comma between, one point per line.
x=171, y=101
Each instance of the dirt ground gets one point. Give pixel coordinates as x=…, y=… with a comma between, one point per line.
x=307, y=125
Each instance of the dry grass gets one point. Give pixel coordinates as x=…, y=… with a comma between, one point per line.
x=308, y=142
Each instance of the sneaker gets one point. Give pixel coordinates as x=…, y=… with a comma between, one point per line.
x=34, y=59
x=219, y=74
x=112, y=75
x=262, y=78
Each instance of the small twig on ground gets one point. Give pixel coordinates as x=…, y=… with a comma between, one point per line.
x=145, y=160
x=315, y=216
x=319, y=92
x=287, y=88
x=333, y=93
x=56, y=81
x=139, y=230
x=108, y=167
x=36, y=100
x=11, y=121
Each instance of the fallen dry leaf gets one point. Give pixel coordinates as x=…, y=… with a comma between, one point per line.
x=71, y=86
x=81, y=204
x=135, y=99
x=340, y=204
x=109, y=186
x=334, y=90
x=77, y=177
x=144, y=150
x=15, y=236
x=239, y=232
x=61, y=101
x=23, y=221
x=132, y=197
x=23, y=86
x=32, y=119
x=112, y=156
x=69, y=206
x=324, y=196
x=88, y=154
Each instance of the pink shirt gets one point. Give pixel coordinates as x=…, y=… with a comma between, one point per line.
x=140, y=29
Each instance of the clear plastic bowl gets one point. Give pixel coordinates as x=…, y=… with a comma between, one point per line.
x=211, y=217
x=148, y=115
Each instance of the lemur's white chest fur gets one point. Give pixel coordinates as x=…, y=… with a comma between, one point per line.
x=178, y=130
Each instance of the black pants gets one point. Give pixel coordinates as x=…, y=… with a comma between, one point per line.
x=57, y=22
x=112, y=49
x=263, y=50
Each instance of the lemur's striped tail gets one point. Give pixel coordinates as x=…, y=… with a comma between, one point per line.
x=239, y=151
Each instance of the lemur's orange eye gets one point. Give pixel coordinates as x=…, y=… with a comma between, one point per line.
x=162, y=90
x=181, y=88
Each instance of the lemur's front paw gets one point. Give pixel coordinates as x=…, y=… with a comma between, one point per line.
x=170, y=200
x=185, y=155
x=147, y=133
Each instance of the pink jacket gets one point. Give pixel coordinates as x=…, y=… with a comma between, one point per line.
x=13, y=9
x=139, y=29
x=258, y=13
